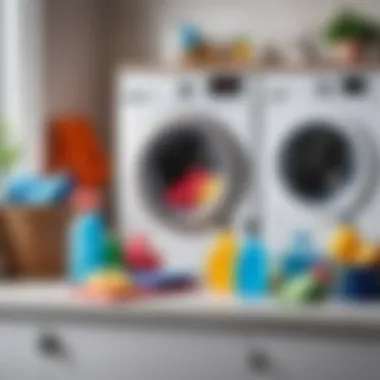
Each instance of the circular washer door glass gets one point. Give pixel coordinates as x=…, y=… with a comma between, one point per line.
x=317, y=163
x=193, y=173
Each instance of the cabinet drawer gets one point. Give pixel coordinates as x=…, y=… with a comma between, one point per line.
x=98, y=354
x=283, y=358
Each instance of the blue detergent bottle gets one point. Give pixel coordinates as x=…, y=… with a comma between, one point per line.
x=86, y=246
x=300, y=257
x=252, y=265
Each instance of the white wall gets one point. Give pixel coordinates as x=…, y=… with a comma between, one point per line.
x=282, y=22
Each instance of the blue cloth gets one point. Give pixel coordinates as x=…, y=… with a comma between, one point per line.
x=164, y=280
x=31, y=189
x=17, y=189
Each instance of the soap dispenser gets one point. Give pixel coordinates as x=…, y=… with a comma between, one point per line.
x=252, y=269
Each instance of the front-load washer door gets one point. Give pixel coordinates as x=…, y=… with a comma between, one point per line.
x=326, y=167
x=192, y=173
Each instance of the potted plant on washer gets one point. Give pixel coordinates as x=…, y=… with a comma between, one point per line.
x=351, y=33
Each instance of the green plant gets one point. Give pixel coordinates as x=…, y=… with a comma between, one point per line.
x=349, y=24
x=9, y=154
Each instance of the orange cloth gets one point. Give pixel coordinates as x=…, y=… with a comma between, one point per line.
x=74, y=147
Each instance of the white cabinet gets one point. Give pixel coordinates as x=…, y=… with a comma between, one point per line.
x=151, y=354
x=60, y=352
x=313, y=358
x=19, y=355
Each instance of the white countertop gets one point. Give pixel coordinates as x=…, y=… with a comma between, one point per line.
x=51, y=300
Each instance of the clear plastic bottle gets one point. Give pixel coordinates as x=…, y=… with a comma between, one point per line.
x=252, y=269
x=300, y=257
x=221, y=262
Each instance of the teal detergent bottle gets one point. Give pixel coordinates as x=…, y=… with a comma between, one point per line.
x=252, y=265
x=86, y=246
x=301, y=256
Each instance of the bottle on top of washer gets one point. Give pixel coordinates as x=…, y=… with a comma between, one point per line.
x=221, y=261
x=252, y=267
x=300, y=257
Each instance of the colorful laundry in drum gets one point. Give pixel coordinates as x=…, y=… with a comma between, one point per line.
x=196, y=188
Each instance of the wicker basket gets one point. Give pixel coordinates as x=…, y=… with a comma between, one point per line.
x=36, y=238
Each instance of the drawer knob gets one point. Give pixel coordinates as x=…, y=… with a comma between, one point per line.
x=50, y=345
x=259, y=362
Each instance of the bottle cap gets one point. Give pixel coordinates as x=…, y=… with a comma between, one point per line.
x=86, y=199
x=252, y=227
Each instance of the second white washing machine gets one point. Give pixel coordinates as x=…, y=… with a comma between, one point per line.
x=178, y=133
x=320, y=161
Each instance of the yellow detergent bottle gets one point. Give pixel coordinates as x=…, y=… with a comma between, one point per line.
x=345, y=243
x=221, y=260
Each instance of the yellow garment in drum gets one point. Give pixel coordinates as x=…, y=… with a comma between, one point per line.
x=210, y=190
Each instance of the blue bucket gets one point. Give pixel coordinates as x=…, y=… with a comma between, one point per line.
x=360, y=284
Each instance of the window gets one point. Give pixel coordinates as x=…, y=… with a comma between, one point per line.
x=10, y=61
x=21, y=37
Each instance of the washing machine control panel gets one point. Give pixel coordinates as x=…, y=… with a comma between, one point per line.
x=354, y=85
x=283, y=89
x=225, y=85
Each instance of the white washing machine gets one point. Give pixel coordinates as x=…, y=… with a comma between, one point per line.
x=321, y=154
x=168, y=123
